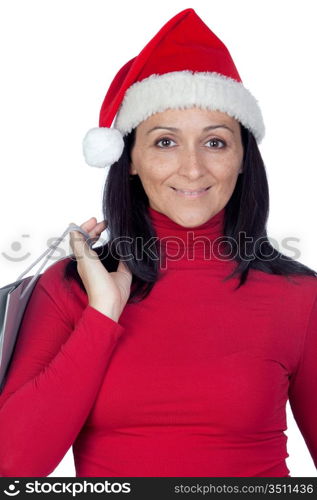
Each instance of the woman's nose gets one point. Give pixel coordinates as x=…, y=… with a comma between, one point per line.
x=191, y=165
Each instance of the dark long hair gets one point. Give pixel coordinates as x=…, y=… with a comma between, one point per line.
x=125, y=207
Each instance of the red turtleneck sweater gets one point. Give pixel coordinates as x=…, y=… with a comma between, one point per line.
x=191, y=382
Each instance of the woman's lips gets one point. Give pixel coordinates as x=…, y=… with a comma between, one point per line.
x=191, y=194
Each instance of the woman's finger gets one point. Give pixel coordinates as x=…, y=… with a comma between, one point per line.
x=79, y=244
x=97, y=230
x=78, y=241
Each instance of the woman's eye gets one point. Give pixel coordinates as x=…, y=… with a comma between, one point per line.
x=217, y=140
x=167, y=140
x=163, y=139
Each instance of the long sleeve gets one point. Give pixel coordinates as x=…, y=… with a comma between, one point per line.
x=303, y=387
x=53, y=380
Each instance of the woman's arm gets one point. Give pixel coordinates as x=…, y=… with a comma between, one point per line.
x=53, y=380
x=303, y=387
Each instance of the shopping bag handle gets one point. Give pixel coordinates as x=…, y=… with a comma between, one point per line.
x=50, y=250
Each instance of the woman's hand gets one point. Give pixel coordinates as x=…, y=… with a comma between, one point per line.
x=107, y=291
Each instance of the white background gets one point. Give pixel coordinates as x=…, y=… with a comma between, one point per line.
x=58, y=59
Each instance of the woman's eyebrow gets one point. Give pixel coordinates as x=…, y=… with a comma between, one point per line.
x=210, y=127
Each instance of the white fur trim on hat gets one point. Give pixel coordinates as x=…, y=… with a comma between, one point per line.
x=184, y=89
x=102, y=146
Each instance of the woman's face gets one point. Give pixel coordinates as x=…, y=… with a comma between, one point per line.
x=188, y=158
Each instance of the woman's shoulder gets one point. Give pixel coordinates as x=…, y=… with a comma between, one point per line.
x=54, y=274
x=305, y=285
x=55, y=282
x=299, y=287
x=308, y=286
x=66, y=294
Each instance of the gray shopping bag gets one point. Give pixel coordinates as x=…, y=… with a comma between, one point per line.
x=14, y=299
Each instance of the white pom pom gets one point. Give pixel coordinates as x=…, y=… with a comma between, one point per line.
x=102, y=146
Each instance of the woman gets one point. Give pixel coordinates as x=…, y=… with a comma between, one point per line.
x=172, y=349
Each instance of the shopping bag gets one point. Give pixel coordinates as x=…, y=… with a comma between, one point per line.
x=14, y=298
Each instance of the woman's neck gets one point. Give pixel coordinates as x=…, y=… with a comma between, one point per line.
x=199, y=246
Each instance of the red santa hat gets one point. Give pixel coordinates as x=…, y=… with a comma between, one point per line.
x=184, y=65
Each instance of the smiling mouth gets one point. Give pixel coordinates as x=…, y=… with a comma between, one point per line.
x=187, y=191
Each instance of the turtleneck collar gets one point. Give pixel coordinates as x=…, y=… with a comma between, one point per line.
x=199, y=246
